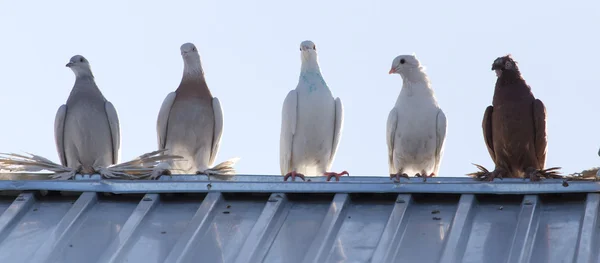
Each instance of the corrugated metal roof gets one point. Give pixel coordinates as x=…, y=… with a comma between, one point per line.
x=262, y=219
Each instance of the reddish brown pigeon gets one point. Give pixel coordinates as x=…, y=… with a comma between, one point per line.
x=514, y=128
x=190, y=123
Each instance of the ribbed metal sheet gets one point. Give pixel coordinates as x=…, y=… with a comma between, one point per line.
x=388, y=224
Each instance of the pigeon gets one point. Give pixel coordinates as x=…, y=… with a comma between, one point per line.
x=87, y=137
x=190, y=122
x=416, y=126
x=514, y=128
x=86, y=128
x=311, y=124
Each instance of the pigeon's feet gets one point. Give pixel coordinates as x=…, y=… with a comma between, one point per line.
x=537, y=174
x=159, y=170
x=424, y=175
x=491, y=176
x=485, y=175
x=337, y=175
x=105, y=173
x=397, y=176
x=66, y=175
x=293, y=174
x=157, y=173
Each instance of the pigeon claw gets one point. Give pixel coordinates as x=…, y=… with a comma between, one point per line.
x=537, y=174
x=397, y=176
x=293, y=175
x=157, y=173
x=424, y=175
x=337, y=175
x=490, y=176
x=485, y=175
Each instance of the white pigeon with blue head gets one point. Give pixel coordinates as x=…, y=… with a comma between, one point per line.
x=86, y=128
x=190, y=123
x=311, y=124
x=416, y=126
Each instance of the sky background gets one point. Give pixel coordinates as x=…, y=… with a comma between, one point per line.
x=249, y=52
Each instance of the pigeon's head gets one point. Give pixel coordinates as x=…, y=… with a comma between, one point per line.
x=308, y=45
x=188, y=49
x=404, y=63
x=80, y=66
x=505, y=63
x=308, y=50
x=191, y=58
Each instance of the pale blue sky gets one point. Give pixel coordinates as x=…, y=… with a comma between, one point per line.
x=250, y=55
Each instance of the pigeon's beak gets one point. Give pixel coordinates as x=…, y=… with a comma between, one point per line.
x=392, y=71
x=69, y=64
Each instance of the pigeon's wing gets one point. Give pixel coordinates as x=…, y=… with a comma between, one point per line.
x=440, y=133
x=163, y=119
x=218, y=129
x=541, y=141
x=487, y=131
x=59, y=133
x=115, y=130
x=337, y=132
x=392, y=123
x=288, y=129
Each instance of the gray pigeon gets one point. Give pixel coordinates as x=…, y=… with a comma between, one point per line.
x=311, y=124
x=416, y=126
x=190, y=122
x=86, y=128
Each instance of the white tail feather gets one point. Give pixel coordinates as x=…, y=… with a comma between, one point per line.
x=141, y=167
x=224, y=170
x=589, y=174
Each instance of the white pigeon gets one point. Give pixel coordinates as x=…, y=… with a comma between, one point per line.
x=86, y=128
x=190, y=122
x=416, y=126
x=311, y=124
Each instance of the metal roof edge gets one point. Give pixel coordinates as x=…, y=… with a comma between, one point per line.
x=271, y=184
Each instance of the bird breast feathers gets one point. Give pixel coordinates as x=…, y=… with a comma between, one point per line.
x=418, y=117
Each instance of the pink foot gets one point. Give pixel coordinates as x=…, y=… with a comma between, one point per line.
x=425, y=176
x=398, y=175
x=337, y=175
x=293, y=175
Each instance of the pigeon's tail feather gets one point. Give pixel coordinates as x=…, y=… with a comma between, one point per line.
x=224, y=170
x=138, y=168
x=588, y=173
x=585, y=175
x=13, y=162
x=552, y=172
x=479, y=174
x=144, y=166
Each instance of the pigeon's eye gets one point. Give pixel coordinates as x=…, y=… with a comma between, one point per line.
x=315, y=47
x=194, y=49
x=81, y=60
x=402, y=61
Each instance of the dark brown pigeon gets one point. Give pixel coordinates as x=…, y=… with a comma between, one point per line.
x=514, y=128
